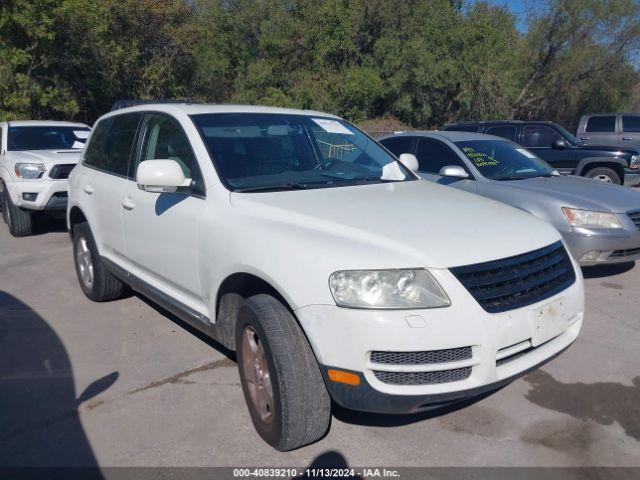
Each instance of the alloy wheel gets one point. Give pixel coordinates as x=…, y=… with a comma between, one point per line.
x=257, y=378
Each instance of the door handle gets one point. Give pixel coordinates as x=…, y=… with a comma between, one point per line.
x=128, y=204
x=88, y=189
x=627, y=138
x=585, y=138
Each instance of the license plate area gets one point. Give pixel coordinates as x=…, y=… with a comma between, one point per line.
x=549, y=321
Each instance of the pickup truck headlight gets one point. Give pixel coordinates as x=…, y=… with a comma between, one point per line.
x=589, y=219
x=29, y=171
x=393, y=289
x=634, y=164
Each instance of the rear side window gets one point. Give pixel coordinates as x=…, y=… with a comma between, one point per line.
x=631, y=123
x=399, y=145
x=601, y=123
x=111, y=142
x=504, y=131
x=433, y=155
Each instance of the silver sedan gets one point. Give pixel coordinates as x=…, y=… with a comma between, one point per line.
x=600, y=222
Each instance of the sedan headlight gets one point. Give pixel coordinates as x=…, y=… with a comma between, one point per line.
x=634, y=164
x=387, y=289
x=29, y=171
x=589, y=219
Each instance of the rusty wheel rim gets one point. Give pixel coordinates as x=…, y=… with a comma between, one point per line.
x=257, y=378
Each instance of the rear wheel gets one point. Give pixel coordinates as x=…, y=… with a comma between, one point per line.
x=97, y=283
x=604, y=174
x=281, y=380
x=19, y=220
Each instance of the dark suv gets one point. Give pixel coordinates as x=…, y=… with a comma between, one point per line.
x=563, y=151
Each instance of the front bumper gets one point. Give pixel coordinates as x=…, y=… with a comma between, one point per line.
x=51, y=194
x=501, y=346
x=592, y=247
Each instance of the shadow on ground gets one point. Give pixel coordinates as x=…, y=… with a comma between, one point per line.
x=330, y=459
x=39, y=422
x=599, y=271
x=602, y=402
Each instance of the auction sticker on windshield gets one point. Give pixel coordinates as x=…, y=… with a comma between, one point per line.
x=332, y=126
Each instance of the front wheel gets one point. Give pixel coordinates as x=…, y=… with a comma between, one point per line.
x=281, y=380
x=604, y=174
x=19, y=220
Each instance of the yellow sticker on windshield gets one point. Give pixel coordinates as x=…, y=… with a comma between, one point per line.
x=480, y=159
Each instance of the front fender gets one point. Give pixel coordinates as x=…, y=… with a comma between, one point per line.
x=585, y=162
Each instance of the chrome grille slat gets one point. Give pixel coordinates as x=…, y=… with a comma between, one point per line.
x=635, y=217
x=518, y=281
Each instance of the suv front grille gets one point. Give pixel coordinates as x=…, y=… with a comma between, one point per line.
x=421, y=358
x=61, y=171
x=518, y=281
x=423, y=378
x=635, y=218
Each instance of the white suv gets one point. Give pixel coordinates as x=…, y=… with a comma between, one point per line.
x=36, y=158
x=294, y=239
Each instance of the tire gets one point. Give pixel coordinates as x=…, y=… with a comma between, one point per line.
x=2, y=205
x=300, y=411
x=604, y=174
x=19, y=221
x=103, y=285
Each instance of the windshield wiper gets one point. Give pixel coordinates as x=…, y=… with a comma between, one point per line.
x=282, y=186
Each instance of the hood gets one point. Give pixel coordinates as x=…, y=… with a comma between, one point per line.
x=405, y=224
x=44, y=156
x=570, y=191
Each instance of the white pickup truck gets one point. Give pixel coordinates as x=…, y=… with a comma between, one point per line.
x=296, y=240
x=36, y=158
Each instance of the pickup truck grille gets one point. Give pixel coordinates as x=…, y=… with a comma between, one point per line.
x=635, y=218
x=61, y=171
x=515, y=282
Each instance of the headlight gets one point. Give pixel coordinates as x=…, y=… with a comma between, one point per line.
x=589, y=219
x=635, y=162
x=387, y=289
x=29, y=170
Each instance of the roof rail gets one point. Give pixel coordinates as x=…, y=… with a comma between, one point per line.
x=118, y=104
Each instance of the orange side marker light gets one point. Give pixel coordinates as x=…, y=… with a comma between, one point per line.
x=343, y=377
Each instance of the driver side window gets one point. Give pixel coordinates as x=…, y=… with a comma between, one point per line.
x=433, y=155
x=164, y=139
x=539, y=136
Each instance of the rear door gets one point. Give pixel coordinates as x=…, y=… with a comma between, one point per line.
x=630, y=131
x=539, y=139
x=102, y=184
x=600, y=130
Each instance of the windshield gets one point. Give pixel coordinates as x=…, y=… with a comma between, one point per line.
x=47, y=138
x=503, y=160
x=277, y=151
x=568, y=136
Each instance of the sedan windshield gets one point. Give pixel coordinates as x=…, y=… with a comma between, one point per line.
x=503, y=160
x=260, y=152
x=47, y=138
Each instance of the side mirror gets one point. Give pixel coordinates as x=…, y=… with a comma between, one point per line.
x=410, y=161
x=160, y=176
x=454, y=171
x=559, y=144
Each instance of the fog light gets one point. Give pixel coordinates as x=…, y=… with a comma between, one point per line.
x=591, y=256
x=29, y=197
